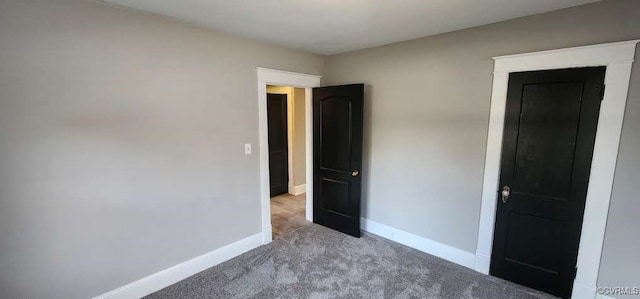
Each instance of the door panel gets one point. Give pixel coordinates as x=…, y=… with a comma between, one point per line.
x=550, y=124
x=538, y=231
x=335, y=196
x=278, y=143
x=548, y=129
x=337, y=151
x=336, y=133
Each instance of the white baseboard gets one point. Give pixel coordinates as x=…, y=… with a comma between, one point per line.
x=297, y=190
x=483, y=263
x=267, y=234
x=582, y=291
x=169, y=276
x=440, y=250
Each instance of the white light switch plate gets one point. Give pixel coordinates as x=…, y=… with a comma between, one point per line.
x=247, y=148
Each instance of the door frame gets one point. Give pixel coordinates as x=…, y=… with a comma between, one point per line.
x=266, y=77
x=618, y=58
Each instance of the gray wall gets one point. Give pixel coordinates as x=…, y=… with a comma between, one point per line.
x=427, y=120
x=122, y=135
x=122, y=144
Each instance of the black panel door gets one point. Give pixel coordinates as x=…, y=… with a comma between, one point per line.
x=337, y=156
x=550, y=127
x=278, y=143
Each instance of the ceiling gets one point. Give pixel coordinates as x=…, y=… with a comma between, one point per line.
x=336, y=26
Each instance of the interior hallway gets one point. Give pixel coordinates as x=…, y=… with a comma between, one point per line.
x=287, y=213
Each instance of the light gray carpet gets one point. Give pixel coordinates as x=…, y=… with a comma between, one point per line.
x=316, y=262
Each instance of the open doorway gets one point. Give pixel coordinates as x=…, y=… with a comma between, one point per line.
x=267, y=77
x=286, y=109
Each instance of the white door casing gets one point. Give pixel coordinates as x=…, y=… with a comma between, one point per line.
x=275, y=77
x=618, y=58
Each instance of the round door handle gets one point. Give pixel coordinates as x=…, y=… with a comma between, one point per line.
x=355, y=173
x=506, y=191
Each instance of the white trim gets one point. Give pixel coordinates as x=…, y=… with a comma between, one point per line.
x=594, y=55
x=308, y=119
x=618, y=58
x=285, y=78
x=169, y=276
x=275, y=77
x=438, y=249
x=583, y=291
x=482, y=263
x=601, y=296
x=491, y=172
x=267, y=234
x=300, y=189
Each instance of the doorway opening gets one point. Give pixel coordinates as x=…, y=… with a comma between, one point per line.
x=265, y=78
x=341, y=104
x=286, y=109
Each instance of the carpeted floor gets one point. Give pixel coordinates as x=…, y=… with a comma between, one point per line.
x=316, y=262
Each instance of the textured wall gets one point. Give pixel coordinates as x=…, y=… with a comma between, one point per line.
x=427, y=121
x=122, y=144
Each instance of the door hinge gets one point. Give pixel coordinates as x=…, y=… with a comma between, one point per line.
x=602, y=92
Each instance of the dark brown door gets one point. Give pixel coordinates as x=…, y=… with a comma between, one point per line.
x=278, y=143
x=337, y=156
x=550, y=128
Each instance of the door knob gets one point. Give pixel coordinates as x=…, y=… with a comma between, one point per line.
x=355, y=173
x=506, y=191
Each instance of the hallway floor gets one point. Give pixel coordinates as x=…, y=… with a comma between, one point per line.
x=287, y=213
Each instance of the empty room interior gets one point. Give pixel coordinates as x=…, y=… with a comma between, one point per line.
x=319, y=149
